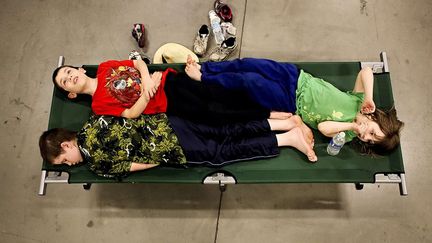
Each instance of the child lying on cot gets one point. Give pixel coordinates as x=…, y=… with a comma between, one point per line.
x=125, y=88
x=115, y=146
x=283, y=87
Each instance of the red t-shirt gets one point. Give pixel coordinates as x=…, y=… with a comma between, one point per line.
x=118, y=89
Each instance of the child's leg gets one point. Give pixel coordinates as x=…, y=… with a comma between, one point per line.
x=204, y=144
x=290, y=123
x=209, y=104
x=269, y=94
x=284, y=124
x=269, y=83
x=280, y=115
x=218, y=153
x=220, y=132
x=268, y=68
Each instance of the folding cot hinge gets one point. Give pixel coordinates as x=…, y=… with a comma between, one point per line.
x=378, y=67
x=50, y=177
x=221, y=179
x=393, y=178
x=389, y=178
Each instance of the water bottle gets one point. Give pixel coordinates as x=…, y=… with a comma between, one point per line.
x=336, y=144
x=215, y=25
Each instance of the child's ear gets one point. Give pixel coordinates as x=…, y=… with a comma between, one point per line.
x=72, y=95
x=65, y=144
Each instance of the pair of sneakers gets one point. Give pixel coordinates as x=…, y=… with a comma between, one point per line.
x=222, y=51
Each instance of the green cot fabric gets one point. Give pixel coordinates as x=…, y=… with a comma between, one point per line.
x=111, y=144
x=318, y=101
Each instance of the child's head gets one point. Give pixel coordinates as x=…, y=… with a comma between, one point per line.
x=382, y=131
x=59, y=146
x=69, y=79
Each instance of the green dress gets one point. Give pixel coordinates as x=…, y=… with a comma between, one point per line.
x=318, y=101
x=111, y=144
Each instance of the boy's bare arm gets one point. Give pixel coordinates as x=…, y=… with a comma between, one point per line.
x=331, y=128
x=139, y=166
x=138, y=108
x=148, y=84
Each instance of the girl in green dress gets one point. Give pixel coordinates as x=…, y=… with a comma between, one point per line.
x=283, y=87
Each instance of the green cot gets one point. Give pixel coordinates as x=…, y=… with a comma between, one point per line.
x=290, y=167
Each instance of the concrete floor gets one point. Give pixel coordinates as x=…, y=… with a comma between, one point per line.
x=35, y=33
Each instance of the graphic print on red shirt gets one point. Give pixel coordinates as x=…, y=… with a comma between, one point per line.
x=115, y=92
x=124, y=84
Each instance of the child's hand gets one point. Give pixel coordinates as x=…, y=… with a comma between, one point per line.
x=148, y=87
x=157, y=77
x=368, y=107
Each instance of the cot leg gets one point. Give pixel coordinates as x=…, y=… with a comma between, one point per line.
x=402, y=186
x=359, y=186
x=42, y=185
x=222, y=187
x=384, y=60
x=87, y=186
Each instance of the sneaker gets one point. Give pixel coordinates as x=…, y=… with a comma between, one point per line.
x=222, y=52
x=228, y=29
x=223, y=10
x=200, y=43
x=135, y=55
x=138, y=32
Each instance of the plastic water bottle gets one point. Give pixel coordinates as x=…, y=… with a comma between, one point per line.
x=216, y=27
x=336, y=144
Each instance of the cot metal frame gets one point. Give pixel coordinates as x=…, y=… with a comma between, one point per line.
x=222, y=179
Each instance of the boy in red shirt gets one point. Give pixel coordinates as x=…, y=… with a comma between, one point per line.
x=121, y=88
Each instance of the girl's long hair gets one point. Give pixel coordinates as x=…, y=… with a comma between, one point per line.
x=390, y=125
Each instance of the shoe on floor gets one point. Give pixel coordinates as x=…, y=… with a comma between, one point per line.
x=223, y=10
x=228, y=29
x=138, y=32
x=135, y=55
x=223, y=51
x=201, y=40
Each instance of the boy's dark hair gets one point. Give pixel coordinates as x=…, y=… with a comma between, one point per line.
x=54, y=76
x=50, y=142
x=391, y=126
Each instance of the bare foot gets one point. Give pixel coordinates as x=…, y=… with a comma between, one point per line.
x=192, y=62
x=193, y=72
x=295, y=138
x=307, y=132
x=192, y=69
x=280, y=115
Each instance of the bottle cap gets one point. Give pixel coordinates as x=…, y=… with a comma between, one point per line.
x=342, y=134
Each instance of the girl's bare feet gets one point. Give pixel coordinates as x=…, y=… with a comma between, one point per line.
x=307, y=132
x=295, y=138
x=290, y=123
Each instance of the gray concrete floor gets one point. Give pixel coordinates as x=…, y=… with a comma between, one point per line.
x=35, y=33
